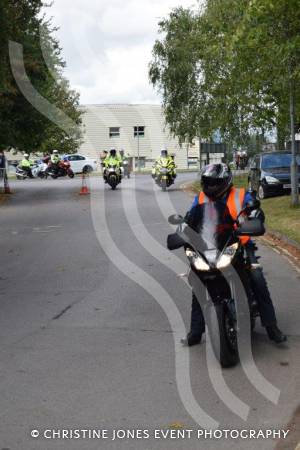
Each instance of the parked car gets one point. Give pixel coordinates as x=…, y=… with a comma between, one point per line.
x=81, y=163
x=269, y=173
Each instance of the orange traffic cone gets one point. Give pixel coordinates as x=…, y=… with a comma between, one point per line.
x=84, y=189
x=6, y=185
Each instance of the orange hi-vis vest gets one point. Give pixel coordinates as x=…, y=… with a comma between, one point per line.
x=234, y=204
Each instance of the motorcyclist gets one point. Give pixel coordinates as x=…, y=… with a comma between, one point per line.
x=55, y=159
x=121, y=157
x=165, y=160
x=26, y=164
x=124, y=158
x=112, y=159
x=174, y=165
x=217, y=186
x=103, y=156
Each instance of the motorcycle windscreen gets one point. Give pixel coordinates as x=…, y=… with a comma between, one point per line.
x=210, y=226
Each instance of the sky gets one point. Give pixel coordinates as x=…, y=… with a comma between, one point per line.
x=107, y=46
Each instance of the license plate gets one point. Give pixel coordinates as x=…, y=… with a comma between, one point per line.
x=288, y=186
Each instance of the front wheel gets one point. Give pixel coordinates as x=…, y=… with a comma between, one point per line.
x=87, y=169
x=71, y=174
x=261, y=192
x=223, y=333
x=112, y=181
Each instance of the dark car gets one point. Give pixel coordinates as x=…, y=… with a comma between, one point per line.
x=269, y=173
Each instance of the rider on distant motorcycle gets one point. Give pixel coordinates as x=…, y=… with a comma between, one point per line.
x=26, y=165
x=217, y=185
x=165, y=160
x=55, y=160
x=126, y=169
x=112, y=159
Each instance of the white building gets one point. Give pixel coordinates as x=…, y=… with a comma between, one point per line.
x=138, y=129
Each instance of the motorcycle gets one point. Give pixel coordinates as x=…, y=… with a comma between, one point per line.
x=163, y=174
x=38, y=170
x=113, y=175
x=126, y=168
x=219, y=274
x=62, y=169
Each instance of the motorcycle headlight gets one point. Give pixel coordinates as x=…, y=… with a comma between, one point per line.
x=271, y=180
x=163, y=170
x=197, y=261
x=227, y=256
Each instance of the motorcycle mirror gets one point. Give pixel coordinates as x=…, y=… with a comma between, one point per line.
x=174, y=241
x=253, y=227
x=175, y=219
x=253, y=204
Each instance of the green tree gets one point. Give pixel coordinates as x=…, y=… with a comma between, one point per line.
x=234, y=66
x=269, y=32
x=22, y=127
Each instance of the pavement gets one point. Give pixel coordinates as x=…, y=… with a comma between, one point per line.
x=92, y=307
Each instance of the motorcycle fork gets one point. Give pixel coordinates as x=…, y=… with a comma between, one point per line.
x=226, y=295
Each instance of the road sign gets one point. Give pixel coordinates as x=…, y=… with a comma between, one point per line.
x=213, y=148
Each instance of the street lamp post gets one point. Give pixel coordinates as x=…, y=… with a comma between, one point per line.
x=200, y=162
x=294, y=165
x=138, y=142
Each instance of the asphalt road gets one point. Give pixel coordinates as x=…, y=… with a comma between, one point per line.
x=91, y=313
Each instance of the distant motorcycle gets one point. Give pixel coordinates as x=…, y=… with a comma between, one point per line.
x=126, y=168
x=62, y=169
x=38, y=170
x=113, y=175
x=163, y=174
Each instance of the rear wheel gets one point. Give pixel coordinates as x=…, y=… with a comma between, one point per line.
x=223, y=334
x=112, y=181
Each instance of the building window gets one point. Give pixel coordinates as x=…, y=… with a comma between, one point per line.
x=139, y=131
x=140, y=163
x=114, y=132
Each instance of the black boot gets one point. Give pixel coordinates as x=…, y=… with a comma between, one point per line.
x=275, y=334
x=191, y=339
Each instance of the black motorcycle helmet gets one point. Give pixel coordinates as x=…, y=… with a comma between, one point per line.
x=113, y=152
x=164, y=153
x=216, y=180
